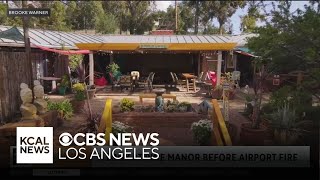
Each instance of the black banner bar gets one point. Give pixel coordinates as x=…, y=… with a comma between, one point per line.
x=38, y=12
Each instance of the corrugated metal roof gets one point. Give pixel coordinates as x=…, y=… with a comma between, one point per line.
x=241, y=39
x=167, y=39
x=51, y=39
x=55, y=39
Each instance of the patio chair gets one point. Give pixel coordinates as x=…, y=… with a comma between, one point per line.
x=146, y=82
x=151, y=82
x=125, y=82
x=174, y=81
x=200, y=79
x=180, y=82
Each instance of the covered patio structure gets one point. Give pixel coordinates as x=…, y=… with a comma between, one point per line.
x=162, y=53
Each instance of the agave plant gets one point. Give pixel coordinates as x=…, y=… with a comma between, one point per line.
x=284, y=118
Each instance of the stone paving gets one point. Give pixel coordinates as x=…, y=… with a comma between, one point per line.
x=97, y=104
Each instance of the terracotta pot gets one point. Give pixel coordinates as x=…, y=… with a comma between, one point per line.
x=91, y=93
x=78, y=106
x=250, y=136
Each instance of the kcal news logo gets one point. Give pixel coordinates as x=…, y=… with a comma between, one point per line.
x=34, y=145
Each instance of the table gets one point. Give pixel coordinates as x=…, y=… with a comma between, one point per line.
x=190, y=76
x=53, y=81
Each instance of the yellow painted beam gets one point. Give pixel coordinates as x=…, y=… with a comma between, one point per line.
x=106, y=120
x=221, y=122
x=216, y=132
x=170, y=46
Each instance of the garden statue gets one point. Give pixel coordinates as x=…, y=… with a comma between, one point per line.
x=28, y=110
x=159, y=99
x=39, y=102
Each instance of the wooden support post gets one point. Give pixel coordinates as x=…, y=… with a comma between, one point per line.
x=219, y=67
x=25, y=21
x=91, y=69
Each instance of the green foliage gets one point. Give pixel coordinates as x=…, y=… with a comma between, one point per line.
x=75, y=60
x=221, y=10
x=280, y=97
x=284, y=118
x=184, y=107
x=201, y=131
x=119, y=127
x=113, y=68
x=8, y=21
x=148, y=108
x=106, y=24
x=64, y=108
x=126, y=105
x=249, y=21
x=291, y=43
x=171, y=106
x=80, y=93
x=65, y=81
x=57, y=19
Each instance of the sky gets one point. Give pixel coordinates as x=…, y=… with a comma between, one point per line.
x=235, y=19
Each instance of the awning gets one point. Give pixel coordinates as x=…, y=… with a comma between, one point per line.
x=64, y=52
x=244, y=51
x=169, y=46
x=12, y=33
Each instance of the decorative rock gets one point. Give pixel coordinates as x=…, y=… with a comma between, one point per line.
x=39, y=102
x=42, y=105
x=36, y=83
x=38, y=91
x=28, y=110
x=25, y=93
x=23, y=85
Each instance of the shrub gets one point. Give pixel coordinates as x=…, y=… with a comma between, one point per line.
x=126, y=105
x=184, y=107
x=201, y=131
x=64, y=108
x=172, y=106
x=148, y=108
x=79, y=89
x=119, y=127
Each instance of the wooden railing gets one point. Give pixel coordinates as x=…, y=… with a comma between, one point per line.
x=220, y=131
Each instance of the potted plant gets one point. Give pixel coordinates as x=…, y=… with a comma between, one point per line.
x=91, y=91
x=64, y=108
x=63, y=85
x=114, y=69
x=79, y=98
x=202, y=131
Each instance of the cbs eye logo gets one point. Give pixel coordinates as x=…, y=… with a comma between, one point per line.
x=65, y=139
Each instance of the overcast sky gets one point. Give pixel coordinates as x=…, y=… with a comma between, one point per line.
x=235, y=19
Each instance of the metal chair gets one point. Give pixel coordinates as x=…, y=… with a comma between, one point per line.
x=180, y=82
x=125, y=82
x=146, y=83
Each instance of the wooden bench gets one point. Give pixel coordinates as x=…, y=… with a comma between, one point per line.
x=142, y=96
